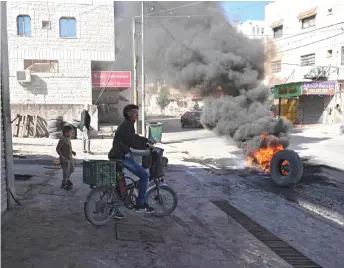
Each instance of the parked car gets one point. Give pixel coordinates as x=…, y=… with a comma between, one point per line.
x=191, y=119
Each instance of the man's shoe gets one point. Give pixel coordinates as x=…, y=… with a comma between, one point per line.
x=70, y=182
x=89, y=152
x=144, y=208
x=118, y=215
x=84, y=151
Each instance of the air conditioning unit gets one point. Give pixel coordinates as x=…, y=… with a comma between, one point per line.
x=24, y=76
x=316, y=72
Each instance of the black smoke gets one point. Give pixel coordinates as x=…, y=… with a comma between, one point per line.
x=196, y=48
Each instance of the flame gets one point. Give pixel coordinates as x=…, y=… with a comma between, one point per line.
x=263, y=155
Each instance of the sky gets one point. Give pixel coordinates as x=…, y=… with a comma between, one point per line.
x=244, y=10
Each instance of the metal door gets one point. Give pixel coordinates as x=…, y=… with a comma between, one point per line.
x=288, y=109
x=313, y=108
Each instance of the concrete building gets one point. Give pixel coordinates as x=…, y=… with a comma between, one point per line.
x=255, y=29
x=54, y=50
x=307, y=51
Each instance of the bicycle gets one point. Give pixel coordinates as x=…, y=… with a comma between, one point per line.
x=113, y=195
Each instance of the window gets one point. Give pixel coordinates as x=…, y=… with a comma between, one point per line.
x=308, y=60
x=24, y=25
x=276, y=66
x=253, y=30
x=41, y=66
x=67, y=27
x=342, y=58
x=262, y=30
x=46, y=24
x=257, y=30
x=278, y=32
x=308, y=22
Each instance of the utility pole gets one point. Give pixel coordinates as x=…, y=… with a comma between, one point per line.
x=143, y=91
x=135, y=70
x=5, y=103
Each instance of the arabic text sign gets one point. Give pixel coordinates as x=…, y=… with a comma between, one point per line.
x=287, y=90
x=318, y=88
x=111, y=79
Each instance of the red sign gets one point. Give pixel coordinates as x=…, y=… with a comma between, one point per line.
x=111, y=79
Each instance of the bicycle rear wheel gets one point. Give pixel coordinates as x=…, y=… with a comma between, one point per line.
x=163, y=199
x=100, y=205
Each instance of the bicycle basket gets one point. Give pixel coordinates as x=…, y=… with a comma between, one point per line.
x=99, y=172
x=146, y=161
x=157, y=167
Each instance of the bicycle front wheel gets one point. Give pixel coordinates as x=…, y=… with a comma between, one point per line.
x=163, y=199
x=100, y=205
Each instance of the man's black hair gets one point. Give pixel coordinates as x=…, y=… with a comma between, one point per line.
x=128, y=108
x=66, y=129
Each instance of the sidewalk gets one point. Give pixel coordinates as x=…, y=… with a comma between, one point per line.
x=50, y=230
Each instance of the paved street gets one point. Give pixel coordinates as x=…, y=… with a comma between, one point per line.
x=202, y=168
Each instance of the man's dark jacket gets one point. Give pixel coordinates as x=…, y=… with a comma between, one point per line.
x=85, y=120
x=124, y=139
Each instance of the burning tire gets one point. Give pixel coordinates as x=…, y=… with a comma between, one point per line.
x=286, y=168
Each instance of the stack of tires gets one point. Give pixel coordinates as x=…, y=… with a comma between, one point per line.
x=54, y=127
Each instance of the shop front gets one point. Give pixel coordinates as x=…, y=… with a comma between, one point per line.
x=288, y=98
x=314, y=100
x=306, y=102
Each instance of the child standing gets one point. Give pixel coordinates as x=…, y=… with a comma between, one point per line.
x=64, y=150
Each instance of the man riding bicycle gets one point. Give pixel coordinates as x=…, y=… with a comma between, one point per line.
x=126, y=138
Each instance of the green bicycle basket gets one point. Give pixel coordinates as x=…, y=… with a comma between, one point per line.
x=99, y=172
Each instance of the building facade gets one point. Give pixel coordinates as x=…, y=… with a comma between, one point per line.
x=307, y=49
x=53, y=49
x=254, y=29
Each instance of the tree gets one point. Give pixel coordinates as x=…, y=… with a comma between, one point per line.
x=164, y=98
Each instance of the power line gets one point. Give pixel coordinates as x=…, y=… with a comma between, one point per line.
x=174, y=8
x=299, y=65
x=150, y=14
x=269, y=35
x=177, y=16
x=197, y=53
x=306, y=32
x=303, y=45
x=299, y=34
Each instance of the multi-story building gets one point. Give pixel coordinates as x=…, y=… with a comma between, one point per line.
x=54, y=48
x=254, y=29
x=306, y=59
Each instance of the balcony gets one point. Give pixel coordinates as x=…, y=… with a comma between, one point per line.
x=319, y=73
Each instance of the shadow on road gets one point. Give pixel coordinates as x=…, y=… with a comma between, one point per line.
x=298, y=142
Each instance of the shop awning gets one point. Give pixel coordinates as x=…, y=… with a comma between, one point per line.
x=287, y=90
x=277, y=23
x=307, y=13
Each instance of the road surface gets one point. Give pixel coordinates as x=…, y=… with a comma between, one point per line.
x=203, y=169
